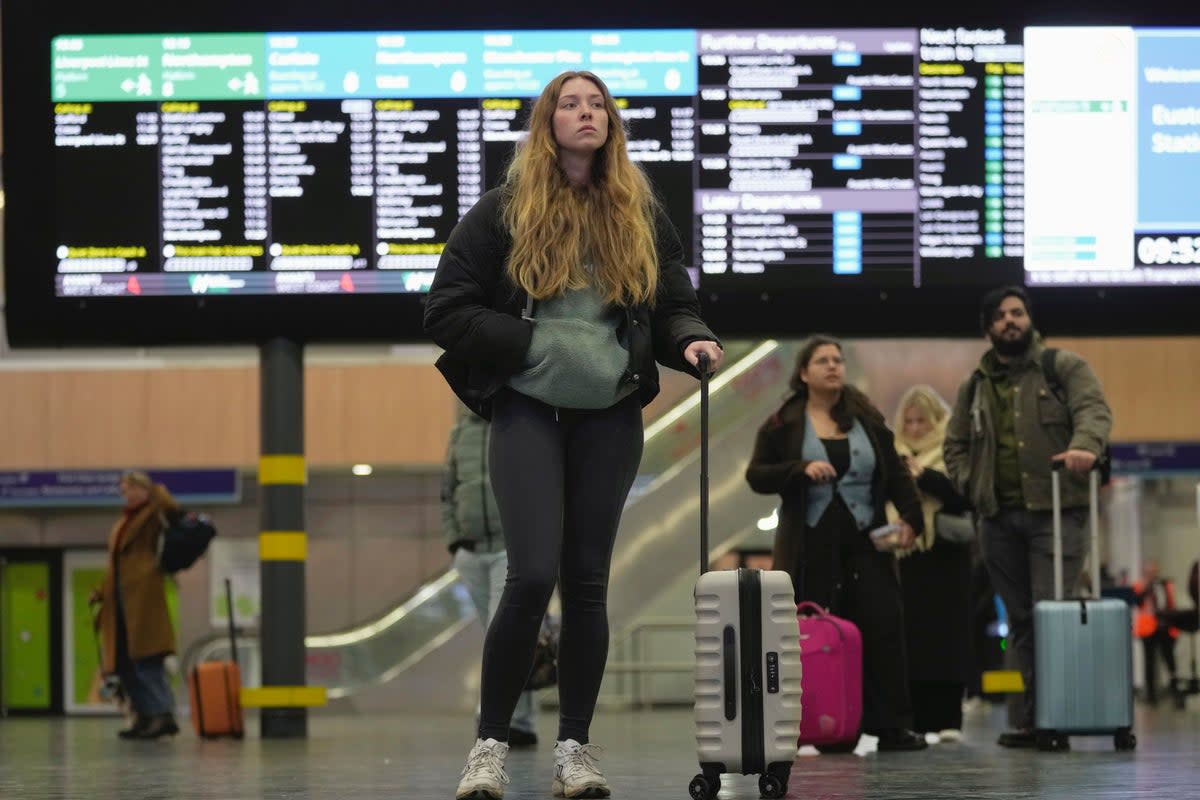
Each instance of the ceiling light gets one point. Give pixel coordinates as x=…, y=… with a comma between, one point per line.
x=362, y=469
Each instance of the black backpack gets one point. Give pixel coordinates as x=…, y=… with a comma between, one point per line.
x=185, y=538
x=1050, y=370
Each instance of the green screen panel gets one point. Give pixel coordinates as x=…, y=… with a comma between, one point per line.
x=26, y=632
x=83, y=636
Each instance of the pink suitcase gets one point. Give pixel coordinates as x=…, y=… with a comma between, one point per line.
x=831, y=693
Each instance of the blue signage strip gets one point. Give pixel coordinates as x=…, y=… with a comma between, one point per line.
x=315, y=66
x=631, y=62
x=1168, y=122
x=475, y=64
x=1156, y=458
x=99, y=487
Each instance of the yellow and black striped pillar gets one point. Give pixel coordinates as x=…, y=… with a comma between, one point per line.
x=283, y=545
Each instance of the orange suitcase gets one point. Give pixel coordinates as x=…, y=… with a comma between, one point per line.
x=214, y=689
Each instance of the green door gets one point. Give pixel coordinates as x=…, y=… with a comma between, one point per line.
x=25, y=644
x=83, y=669
x=83, y=571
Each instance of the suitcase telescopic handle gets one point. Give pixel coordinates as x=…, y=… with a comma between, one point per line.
x=703, y=366
x=229, y=610
x=1056, y=468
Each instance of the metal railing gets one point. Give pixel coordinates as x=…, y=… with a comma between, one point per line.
x=642, y=662
x=628, y=672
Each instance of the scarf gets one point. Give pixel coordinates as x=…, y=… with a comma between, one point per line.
x=927, y=452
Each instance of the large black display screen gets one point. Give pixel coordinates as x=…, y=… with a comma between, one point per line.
x=205, y=186
x=1114, y=119
x=302, y=163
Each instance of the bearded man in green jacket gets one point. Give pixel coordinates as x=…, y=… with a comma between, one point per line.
x=1022, y=410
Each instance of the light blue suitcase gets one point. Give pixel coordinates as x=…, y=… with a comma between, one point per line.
x=1083, y=654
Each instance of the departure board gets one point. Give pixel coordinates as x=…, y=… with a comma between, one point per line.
x=338, y=163
x=877, y=156
x=1114, y=137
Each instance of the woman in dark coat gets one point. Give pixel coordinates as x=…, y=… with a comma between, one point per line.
x=830, y=456
x=135, y=628
x=555, y=296
x=935, y=572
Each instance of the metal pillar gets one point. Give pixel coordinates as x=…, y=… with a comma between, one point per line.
x=282, y=542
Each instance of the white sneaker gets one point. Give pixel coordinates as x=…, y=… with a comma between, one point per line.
x=576, y=772
x=950, y=735
x=483, y=777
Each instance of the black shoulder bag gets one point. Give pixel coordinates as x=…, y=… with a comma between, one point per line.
x=185, y=538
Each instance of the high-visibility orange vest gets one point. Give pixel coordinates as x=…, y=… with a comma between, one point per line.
x=1145, y=623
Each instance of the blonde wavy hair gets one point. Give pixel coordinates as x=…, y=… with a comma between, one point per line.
x=557, y=228
x=929, y=403
x=137, y=478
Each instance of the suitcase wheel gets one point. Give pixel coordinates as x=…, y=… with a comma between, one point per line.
x=771, y=786
x=1051, y=741
x=834, y=748
x=1125, y=740
x=704, y=787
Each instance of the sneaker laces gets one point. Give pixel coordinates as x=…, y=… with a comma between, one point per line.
x=580, y=761
x=486, y=761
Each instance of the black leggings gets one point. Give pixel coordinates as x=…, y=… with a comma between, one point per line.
x=561, y=477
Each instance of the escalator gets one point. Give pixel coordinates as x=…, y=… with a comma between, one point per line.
x=424, y=654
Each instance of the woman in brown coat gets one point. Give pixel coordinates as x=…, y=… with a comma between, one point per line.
x=135, y=629
x=830, y=457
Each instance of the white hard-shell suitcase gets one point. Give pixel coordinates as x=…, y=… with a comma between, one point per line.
x=747, y=664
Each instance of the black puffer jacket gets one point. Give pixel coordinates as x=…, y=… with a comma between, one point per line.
x=474, y=311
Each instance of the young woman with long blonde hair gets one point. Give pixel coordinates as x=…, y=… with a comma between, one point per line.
x=554, y=297
x=936, y=573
